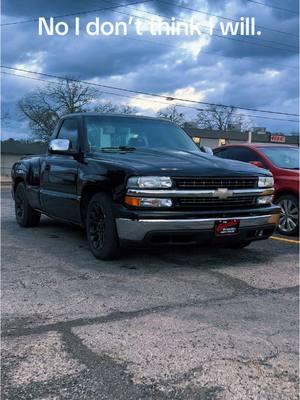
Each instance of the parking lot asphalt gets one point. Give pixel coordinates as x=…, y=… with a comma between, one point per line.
x=170, y=323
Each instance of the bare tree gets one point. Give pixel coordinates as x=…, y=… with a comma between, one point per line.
x=45, y=106
x=172, y=114
x=220, y=118
x=106, y=107
x=109, y=107
x=5, y=116
x=127, y=109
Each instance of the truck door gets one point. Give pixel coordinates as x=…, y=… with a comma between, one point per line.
x=59, y=174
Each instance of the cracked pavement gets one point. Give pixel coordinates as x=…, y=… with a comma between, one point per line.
x=170, y=323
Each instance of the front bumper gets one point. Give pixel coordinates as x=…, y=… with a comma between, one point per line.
x=254, y=227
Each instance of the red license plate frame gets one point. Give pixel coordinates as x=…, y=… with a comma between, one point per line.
x=228, y=227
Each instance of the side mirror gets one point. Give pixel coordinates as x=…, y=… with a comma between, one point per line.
x=258, y=164
x=60, y=146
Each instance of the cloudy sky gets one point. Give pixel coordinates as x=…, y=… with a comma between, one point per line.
x=252, y=72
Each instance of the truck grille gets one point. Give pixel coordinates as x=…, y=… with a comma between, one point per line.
x=212, y=202
x=215, y=183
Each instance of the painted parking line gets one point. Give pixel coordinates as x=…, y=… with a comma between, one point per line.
x=285, y=240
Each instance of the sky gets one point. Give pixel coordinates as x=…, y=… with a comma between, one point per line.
x=258, y=72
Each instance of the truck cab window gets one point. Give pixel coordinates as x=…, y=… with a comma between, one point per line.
x=113, y=132
x=69, y=130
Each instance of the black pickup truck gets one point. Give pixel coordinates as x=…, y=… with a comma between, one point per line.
x=139, y=179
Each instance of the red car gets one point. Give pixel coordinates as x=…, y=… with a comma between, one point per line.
x=283, y=162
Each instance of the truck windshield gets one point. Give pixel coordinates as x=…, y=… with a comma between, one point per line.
x=282, y=157
x=111, y=132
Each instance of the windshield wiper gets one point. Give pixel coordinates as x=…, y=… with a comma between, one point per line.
x=124, y=148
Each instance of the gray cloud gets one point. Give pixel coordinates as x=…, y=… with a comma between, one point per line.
x=228, y=71
x=33, y=8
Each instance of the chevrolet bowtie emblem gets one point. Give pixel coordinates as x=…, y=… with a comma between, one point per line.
x=223, y=193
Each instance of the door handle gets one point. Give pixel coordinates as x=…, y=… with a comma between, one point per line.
x=47, y=167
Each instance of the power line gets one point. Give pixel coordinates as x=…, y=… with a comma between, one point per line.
x=105, y=92
x=116, y=5
x=36, y=19
x=226, y=18
x=121, y=5
x=219, y=36
x=275, y=7
x=184, y=20
x=172, y=98
x=188, y=22
x=285, y=48
x=177, y=47
x=139, y=2
x=174, y=46
x=154, y=101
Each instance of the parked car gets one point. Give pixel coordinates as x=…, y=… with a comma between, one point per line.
x=283, y=162
x=138, y=179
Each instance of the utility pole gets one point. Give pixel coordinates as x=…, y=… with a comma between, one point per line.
x=250, y=136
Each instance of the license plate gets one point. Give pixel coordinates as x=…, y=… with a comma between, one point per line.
x=227, y=227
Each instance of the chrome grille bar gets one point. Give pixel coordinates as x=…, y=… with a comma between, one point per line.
x=198, y=193
x=215, y=182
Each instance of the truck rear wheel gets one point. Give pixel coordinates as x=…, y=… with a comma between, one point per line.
x=101, y=228
x=26, y=216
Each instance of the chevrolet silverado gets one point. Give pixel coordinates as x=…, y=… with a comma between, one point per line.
x=129, y=179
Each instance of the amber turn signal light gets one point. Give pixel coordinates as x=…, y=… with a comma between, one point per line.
x=132, y=201
x=147, y=202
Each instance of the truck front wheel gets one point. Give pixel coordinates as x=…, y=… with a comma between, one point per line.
x=26, y=216
x=101, y=228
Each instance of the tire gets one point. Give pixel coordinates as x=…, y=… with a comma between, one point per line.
x=101, y=228
x=26, y=216
x=289, y=220
x=236, y=245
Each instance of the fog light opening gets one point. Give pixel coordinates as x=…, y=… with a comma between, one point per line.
x=264, y=200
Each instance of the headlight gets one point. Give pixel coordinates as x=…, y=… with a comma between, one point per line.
x=147, y=202
x=265, y=181
x=149, y=182
x=264, y=200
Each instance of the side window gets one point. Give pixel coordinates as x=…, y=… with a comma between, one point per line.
x=239, y=154
x=246, y=155
x=228, y=152
x=69, y=130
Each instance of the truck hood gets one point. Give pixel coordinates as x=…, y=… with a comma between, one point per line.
x=177, y=163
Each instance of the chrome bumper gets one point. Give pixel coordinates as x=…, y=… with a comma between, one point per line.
x=137, y=229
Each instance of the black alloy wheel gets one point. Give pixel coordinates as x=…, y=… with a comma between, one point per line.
x=101, y=228
x=26, y=216
x=19, y=205
x=96, y=226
